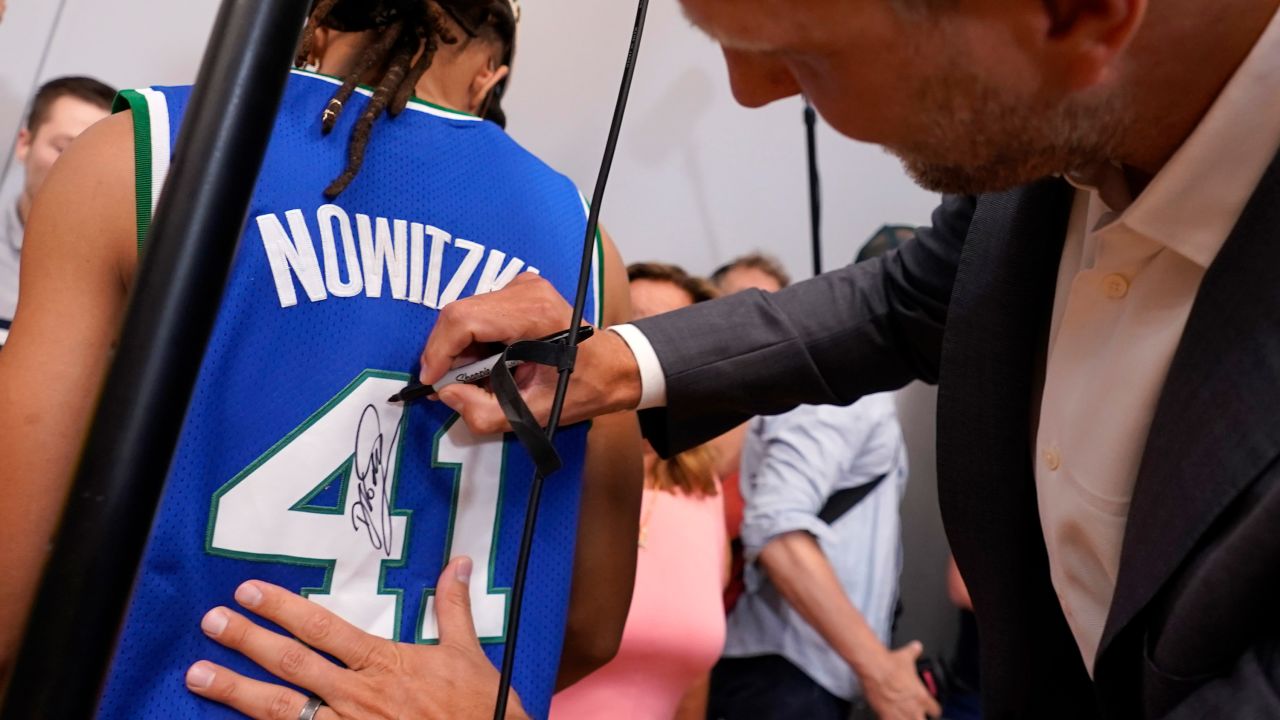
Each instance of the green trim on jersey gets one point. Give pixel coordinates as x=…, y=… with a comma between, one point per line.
x=598, y=264
x=599, y=279
x=133, y=100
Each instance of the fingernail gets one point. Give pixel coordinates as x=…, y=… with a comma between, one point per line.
x=463, y=571
x=248, y=595
x=214, y=621
x=199, y=676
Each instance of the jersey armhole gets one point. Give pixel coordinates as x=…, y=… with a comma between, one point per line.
x=597, y=267
x=151, y=151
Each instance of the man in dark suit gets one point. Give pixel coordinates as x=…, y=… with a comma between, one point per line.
x=1097, y=302
x=1098, y=305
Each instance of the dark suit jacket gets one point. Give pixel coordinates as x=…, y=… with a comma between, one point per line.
x=1194, y=628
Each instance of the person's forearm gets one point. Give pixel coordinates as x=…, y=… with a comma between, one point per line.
x=802, y=574
x=53, y=364
x=603, y=577
x=693, y=706
x=956, y=589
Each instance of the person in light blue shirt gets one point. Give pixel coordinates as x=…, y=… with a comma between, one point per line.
x=810, y=635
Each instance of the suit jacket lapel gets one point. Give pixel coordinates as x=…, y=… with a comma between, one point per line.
x=996, y=331
x=1216, y=424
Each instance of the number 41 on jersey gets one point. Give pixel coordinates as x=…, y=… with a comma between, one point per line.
x=265, y=513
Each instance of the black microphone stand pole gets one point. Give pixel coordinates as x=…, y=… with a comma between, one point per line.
x=72, y=629
x=815, y=186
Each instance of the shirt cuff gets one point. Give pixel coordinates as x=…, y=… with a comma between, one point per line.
x=757, y=532
x=653, y=383
x=754, y=540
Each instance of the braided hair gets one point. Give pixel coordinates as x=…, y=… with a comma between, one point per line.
x=402, y=29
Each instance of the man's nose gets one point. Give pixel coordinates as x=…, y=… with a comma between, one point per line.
x=757, y=79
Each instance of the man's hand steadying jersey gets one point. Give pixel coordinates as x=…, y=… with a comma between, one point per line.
x=382, y=679
x=605, y=380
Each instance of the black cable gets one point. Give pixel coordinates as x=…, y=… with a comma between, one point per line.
x=815, y=186
x=557, y=404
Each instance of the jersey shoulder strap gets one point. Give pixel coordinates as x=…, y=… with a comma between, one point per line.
x=152, y=149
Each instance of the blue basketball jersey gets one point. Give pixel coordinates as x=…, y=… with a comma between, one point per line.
x=292, y=466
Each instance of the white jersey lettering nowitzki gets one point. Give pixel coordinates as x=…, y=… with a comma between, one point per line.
x=376, y=254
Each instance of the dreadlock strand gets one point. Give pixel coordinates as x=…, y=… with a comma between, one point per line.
x=374, y=55
x=317, y=18
x=397, y=69
x=406, y=90
x=437, y=34
x=403, y=30
x=430, y=43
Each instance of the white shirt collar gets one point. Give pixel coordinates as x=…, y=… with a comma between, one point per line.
x=1195, y=200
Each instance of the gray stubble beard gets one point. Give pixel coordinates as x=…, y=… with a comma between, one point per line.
x=978, y=138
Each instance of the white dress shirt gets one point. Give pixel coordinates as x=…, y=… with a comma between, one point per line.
x=1130, y=272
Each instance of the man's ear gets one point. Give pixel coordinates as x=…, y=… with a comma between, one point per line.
x=23, y=146
x=1080, y=40
x=483, y=83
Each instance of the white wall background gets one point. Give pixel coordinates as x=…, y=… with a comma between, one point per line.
x=697, y=180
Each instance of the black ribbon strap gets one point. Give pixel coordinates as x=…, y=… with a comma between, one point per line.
x=526, y=427
x=842, y=501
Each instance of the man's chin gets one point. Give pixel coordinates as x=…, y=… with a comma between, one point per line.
x=966, y=180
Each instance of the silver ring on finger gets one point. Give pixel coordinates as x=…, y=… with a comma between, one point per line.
x=310, y=708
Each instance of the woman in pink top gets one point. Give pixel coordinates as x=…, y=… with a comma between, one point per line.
x=675, y=629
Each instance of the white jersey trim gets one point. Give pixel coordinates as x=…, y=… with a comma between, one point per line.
x=414, y=104
x=597, y=266
x=161, y=152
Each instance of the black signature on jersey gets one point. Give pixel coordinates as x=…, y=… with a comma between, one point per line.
x=371, y=510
